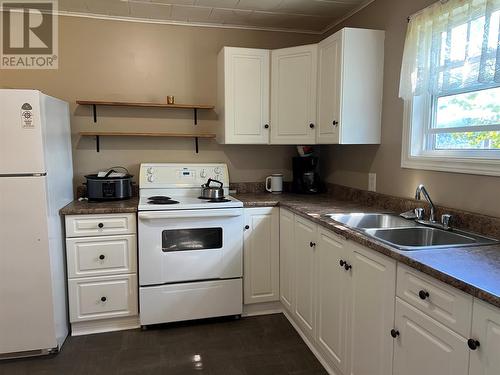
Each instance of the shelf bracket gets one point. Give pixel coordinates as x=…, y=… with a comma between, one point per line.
x=196, y=143
x=195, y=116
x=94, y=110
x=97, y=143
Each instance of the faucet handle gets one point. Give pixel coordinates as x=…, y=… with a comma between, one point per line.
x=419, y=213
x=446, y=221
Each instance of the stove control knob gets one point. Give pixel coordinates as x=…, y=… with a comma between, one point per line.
x=203, y=173
x=217, y=170
x=150, y=170
x=151, y=178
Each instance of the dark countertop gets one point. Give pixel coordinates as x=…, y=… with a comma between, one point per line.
x=474, y=270
x=85, y=207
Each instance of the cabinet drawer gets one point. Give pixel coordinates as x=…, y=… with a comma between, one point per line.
x=442, y=302
x=100, y=256
x=100, y=225
x=94, y=298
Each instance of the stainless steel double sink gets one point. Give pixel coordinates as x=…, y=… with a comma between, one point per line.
x=406, y=234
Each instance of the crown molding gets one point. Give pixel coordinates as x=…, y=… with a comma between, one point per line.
x=347, y=16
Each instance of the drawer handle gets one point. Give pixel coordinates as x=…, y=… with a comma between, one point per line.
x=100, y=225
x=103, y=299
x=473, y=344
x=394, y=333
x=101, y=257
x=423, y=294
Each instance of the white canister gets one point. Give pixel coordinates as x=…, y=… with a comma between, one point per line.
x=274, y=183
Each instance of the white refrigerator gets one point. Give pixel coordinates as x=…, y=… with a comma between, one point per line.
x=36, y=173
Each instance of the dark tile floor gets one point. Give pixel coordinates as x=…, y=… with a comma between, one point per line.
x=250, y=346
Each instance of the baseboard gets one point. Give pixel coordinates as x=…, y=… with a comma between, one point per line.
x=104, y=325
x=264, y=308
x=311, y=346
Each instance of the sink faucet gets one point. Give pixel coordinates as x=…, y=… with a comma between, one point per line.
x=422, y=190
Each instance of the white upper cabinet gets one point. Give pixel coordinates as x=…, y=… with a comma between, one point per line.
x=350, y=87
x=293, y=95
x=243, y=96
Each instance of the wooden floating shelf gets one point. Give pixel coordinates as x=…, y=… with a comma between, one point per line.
x=144, y=134
x=144, y=104
x=95, y=103
x=148, y=134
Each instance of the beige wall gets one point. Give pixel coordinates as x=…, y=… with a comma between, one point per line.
x=349, y=165
x=116, y=60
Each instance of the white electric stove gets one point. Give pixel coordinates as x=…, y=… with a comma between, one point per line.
x=190, y=249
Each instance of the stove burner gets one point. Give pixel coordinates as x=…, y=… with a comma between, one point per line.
x=218, y=200
x=159, y=199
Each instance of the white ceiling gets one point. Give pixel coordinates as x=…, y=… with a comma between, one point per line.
x=292, y=15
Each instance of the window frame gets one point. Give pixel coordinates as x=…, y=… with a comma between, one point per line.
x=417, y=121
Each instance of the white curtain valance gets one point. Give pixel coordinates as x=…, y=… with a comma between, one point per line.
x=452, y=46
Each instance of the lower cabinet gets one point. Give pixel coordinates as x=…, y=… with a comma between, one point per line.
x=373, y=289
x=344, y=297
x=484, y=343
x=333, y=295
x=287, y=259
x=424, y=346
x=305, y=243
x=261, y=255
x=101, y=260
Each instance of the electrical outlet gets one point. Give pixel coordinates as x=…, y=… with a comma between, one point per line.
x=372, y=181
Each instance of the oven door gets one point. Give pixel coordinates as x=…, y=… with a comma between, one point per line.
x=189, y=245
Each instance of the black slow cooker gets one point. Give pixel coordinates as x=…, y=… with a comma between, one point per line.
x=108, y=188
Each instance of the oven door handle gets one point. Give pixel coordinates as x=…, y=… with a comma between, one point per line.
x=153, y=215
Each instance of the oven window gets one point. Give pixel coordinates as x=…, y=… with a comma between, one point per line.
x=191, y=239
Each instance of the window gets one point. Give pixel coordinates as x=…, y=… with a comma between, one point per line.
x=450, y=82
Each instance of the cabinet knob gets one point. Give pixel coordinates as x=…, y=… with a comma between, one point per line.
x=247, y=226
x=311, y=125
x=394, y=333
x=103, y=299
x=423, y=294
x=473, y=344
x=335, y=123
x=266, y=126
x=312, y=244
x=101, y=257
x=347, y=266
x=342, y=262
x=100, y=225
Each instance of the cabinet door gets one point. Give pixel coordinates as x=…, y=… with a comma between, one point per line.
x=246, y=114
x=425, y=346
x=305, y=238
x=287, y=259
x=293, y=95
x=261, y=255
x=372, y=304
x=329, y=85
x=485, y=360
x=333, y=292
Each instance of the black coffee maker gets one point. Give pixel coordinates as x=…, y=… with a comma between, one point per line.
x=306, y=178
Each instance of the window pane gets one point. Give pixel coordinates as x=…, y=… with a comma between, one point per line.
x=468, y=109
x=470, y=140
